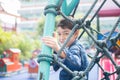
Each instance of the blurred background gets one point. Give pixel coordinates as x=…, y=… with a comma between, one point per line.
x=21, y=29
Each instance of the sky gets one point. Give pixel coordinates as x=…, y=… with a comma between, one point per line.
x=11, y=6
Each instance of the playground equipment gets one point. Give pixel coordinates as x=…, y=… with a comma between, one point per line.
x=33, y=64
x=10, y=63
x=60, y=7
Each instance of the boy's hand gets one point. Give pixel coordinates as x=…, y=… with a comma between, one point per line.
x=51, y=42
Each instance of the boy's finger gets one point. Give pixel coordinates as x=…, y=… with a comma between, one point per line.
x=54, y=34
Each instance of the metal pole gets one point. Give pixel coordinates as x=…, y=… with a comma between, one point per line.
x=44, y=66
x=68, y=8
x=98, y=26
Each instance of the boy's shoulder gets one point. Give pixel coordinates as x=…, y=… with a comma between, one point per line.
x=76, y=44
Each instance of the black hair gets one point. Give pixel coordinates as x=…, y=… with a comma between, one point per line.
x=65, y=24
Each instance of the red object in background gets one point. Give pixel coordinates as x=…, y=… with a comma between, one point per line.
x=108, y=66
x=14, y=58
x=109, y=9
x=1, y=63
x=33, y=66
x=10, y=63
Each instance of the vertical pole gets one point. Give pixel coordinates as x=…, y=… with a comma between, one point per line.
x=68, y=8
x=44, y=66
x=98, y=26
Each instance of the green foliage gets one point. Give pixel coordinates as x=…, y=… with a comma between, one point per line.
x=41, y=23
x=5, y=40
x=41, y=26
x=20, y=41
x=26, y=46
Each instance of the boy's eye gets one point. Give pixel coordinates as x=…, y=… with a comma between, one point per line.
x=59, y=34
x=63, y=34
x=66, y=33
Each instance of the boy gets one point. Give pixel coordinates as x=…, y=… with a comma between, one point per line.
x=74, y=56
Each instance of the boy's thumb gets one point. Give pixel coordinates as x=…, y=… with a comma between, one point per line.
x=54, y=34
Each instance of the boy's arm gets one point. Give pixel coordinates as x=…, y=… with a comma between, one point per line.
x=73, y=56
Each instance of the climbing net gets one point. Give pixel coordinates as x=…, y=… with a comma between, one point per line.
x=101, y=45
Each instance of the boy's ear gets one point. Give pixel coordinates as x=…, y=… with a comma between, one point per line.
x=77, y=32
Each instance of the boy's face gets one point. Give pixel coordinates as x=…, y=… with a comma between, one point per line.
x=63, y=34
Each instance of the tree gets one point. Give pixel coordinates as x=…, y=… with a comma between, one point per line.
x=13, y=40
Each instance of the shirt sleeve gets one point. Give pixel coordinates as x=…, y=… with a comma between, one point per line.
x=73, y=57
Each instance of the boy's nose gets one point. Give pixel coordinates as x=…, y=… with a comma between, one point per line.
x=61, y=39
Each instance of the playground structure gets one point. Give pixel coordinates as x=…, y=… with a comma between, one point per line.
x=53, y=9
x=10, y=63
x=33, y=64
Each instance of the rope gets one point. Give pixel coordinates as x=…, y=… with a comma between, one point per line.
x=75, y=9
x=48, y=10
x=116, y=3
x=45, y=57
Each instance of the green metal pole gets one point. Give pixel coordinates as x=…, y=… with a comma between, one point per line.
x=68, y=6
x=44, y=66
